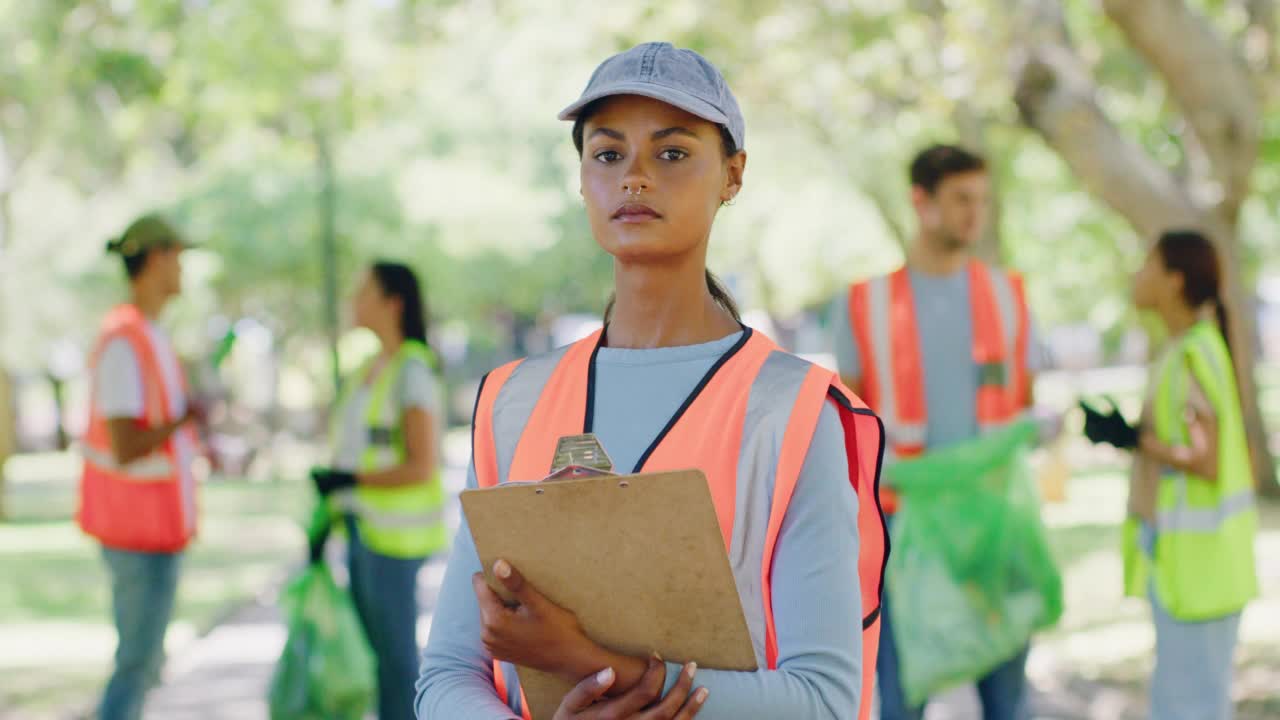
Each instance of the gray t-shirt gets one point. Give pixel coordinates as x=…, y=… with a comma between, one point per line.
x=816, y=600
x=944, y=321
x=415, y=388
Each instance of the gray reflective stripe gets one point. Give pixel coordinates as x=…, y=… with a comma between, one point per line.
x=156, y=467
x=1183, y=518
x=1008, y=307
x=512, y=679
x=879, y=307
x=907, y=433
x=347, y=500
x=769, y=405
x=514, y=405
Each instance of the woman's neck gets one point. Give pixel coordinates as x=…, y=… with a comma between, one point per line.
x=1180, y=319
x=665, y=306
x=391, y=341
x=148, y=301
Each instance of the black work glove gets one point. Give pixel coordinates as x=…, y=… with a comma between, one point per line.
x=315, y=550
x=327, y=480
x=1110, y=428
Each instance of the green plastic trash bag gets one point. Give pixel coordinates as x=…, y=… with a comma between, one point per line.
x=970, y=571
x=326, y=671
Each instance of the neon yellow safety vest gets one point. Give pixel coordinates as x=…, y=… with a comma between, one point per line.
x=405, y=521
x=1204, y=555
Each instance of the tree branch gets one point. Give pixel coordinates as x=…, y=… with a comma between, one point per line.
x=1211, y=84
x=1058, y=99
x=1260, y=37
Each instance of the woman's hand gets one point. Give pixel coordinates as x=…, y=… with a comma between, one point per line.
x=586, y=700
x=536, y=633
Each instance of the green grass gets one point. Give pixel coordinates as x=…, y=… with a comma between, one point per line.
x=54, y=579
x=53, y=572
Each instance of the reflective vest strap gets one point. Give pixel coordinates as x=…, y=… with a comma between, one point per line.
x=795, y=447
x=484, y=453
x=882, y=313
x=1020, y=377
x=379, y=413
x=500, y=684
x=558, y=412
x=711, y=429
x=1184, y=518
x=385, y=518
x=989, y=351
x=865, y=445
x=156, y=467
x=127, y=322
x=907, y=366
x=860, y=327
x=1210, y=361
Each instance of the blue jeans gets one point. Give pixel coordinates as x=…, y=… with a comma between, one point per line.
x=1002, y=691
x=1192, y=679
x=143, y=586
x=384, y=590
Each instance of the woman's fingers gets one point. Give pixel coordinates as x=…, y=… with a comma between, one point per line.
x=586, y=692
x=677, y=697
x=693, y=704
x=490, y=604
x=644, y=694
x=522, y=590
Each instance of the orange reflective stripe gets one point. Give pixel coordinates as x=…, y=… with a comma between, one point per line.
x=559, y=412
x=500, y=685
x=1020, y=382
x=795, y=446
x=988, y=344
x=908, y=366
x=860, y=321
x=484, y=453
x=499, y=680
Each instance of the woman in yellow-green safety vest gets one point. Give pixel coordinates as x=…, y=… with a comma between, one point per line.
x=385, y=476
x=1190, y=533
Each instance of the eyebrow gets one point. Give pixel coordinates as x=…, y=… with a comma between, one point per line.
x=659, y=135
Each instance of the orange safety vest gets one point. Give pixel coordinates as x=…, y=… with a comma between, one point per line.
x=755, y=395
x=883, y=318
x=143, y=506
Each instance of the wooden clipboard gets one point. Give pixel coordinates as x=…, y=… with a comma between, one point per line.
x=639, y=559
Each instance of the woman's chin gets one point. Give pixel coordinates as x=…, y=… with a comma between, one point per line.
x=643, y=247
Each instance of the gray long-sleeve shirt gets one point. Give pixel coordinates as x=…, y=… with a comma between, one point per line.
x=816, y=600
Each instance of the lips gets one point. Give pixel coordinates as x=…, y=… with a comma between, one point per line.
x=635, y=212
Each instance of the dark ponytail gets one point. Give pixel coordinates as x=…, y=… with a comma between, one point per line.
x=718, y=292
x=1220, y=312
x=399, y=281
x=722, y=296
x=1193, y=256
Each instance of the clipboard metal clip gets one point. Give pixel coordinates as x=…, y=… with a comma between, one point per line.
x=579, y=456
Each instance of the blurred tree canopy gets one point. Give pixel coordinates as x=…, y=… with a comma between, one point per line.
x=439, y=116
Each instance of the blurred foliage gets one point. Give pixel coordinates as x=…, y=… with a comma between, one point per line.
x=448, y=154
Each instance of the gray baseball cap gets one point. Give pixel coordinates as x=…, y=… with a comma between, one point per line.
x=678, y=77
